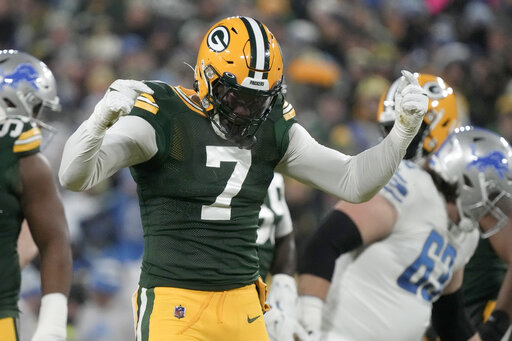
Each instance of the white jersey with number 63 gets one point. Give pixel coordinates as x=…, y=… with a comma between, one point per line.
x=385, y=290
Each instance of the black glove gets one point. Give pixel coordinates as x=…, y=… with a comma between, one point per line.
x=495, y=327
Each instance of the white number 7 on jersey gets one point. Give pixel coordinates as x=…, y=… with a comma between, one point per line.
x=221, y=209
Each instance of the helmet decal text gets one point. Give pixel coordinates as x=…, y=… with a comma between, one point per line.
x=218, y=39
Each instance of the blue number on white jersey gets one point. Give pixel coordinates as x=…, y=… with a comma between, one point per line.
x=397, y=187
x=417, y=275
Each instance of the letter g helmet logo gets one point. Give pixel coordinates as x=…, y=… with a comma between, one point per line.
x=218, y=39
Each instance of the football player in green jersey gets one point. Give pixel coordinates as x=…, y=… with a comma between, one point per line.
x=28, y=191
x=487, y=286
x=203, y=160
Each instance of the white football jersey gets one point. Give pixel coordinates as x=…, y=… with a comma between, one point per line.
x=385, y=291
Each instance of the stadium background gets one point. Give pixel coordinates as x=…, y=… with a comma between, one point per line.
x=340, y=55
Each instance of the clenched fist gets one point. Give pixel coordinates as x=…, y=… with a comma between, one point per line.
x=411, y=103
x=118, y=101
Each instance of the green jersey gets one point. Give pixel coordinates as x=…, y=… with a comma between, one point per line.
x=200, y=195
x=483, y=275
x=19, y=137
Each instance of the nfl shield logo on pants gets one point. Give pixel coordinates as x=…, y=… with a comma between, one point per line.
x=179, y=311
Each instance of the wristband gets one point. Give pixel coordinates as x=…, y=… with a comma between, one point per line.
x=310, y=312
x=53, y=316
x=283, y=293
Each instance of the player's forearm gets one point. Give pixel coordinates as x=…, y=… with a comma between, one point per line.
x=351, y=178
x=504, y=300
x=285, y=258
x=80, y=160
x=56, y=265
x=89, y=159
x=374, y=167
x=312, y=285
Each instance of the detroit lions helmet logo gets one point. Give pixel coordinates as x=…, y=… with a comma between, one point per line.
x=23, y=72
x=496, y=160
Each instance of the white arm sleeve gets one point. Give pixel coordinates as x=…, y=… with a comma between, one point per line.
x=87, y=160
x=351, y=178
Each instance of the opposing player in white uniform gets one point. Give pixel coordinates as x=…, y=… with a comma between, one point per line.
x=399, y=251
x=397, y=278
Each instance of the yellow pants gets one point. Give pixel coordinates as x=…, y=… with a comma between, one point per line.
x=175, y=314
x=8, y=329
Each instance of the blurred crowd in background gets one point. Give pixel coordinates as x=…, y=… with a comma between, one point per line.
x=340, y=56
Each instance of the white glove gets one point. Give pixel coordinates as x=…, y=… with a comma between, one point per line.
x=53, y=317
x=281, y=319
x=283, y=294
x=411, y=104
x=310, y=316
x=282, y=327
x=118, y=101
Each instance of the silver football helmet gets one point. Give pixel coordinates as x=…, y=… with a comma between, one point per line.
x=27, y=86
x=478, y=164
